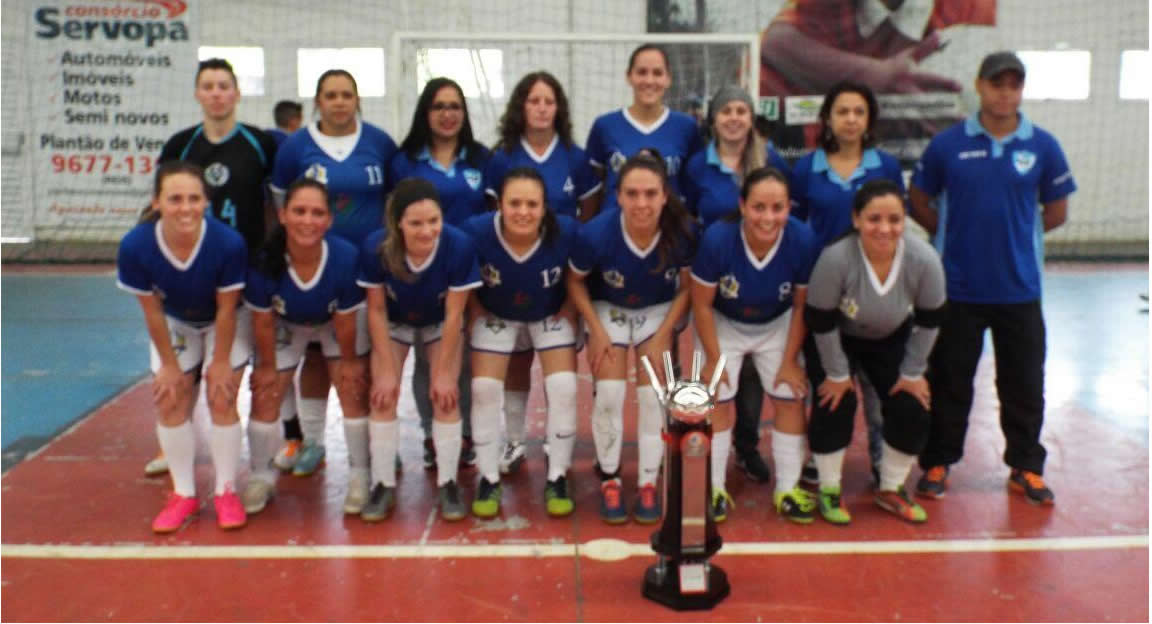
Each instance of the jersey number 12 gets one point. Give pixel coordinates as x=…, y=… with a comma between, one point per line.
x=551, y=276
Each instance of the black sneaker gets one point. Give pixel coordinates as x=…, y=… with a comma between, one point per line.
x=809, y=475
x=1032, y=486
x=429, y=454
x=754, y=467
x=451, y=508
x=380, y=503
x=934, y=482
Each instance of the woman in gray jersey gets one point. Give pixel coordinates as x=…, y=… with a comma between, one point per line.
x=874, y=304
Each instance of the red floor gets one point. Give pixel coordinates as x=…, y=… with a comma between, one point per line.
x=86, y=490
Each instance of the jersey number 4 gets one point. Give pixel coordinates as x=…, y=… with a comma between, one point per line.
x=551, y=276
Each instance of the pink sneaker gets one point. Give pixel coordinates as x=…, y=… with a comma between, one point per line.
x=177, y=511
x=229, y=511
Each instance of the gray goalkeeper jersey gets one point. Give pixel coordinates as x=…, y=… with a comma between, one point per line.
x=844, y=280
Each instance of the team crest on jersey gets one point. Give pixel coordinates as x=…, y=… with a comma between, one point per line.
x=728, y=286
x=616, y=161
x=617, y=317
x=278, y=304
x=494, y=324
x=785, y=291
x=849, y=308
x=317, y=172
x=1023, y=160
x=614, y=278
x=216, y=174
x=179, y=343
x=670, y=274
x=473, y=178
x=569, y=187
x=391, y=293
x=332, y=307
x=490, y=275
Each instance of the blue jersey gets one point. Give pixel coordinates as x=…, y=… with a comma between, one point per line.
x=711, y=189
x=992, y=189
x=357, y=181
x=332, y=289
x=568, y=178
x=521, y=288
x=460, y=186
x=749, y=290
x=616, y=136
x=145, y=266
x=622, y=273
x=824, y=199
x=451, y=266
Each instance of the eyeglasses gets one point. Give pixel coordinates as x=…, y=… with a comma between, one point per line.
x=440, y=107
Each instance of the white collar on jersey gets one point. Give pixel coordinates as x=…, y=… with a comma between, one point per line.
x=519, y=259
x=171, y=257
x=641, y=128
x=640, y=253
x=911, y=19
x=893, y=273
x=760, y=264
x=540, y=160
x=427, y=261
x=338, y=148
x=301, y=284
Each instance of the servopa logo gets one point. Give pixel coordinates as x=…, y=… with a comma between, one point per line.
x=149, y=21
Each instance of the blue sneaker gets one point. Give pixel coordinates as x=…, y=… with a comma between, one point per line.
x=309, y=460
x=612, y=509
x=647, y=507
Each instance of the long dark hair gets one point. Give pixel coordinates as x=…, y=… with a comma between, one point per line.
x=827, y=139
x=163, y=172
x=644, y=48
x=420, y=133
x=548, y=225
x=677, y=229
x=752, y=179
x=328, y=74
x=272, y=261
x=392, y=251
x=512, y=123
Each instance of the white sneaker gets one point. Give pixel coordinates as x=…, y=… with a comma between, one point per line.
x=512, y=457
x=256, y=495
x=156, y=467
x=286, y=457
x=357, y=495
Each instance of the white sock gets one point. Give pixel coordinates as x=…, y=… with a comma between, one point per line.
x=894, y=467
x=561, y=390
x=288, y=404
x=447, y=437
x=830, y=466
x=788, y=450
x=356, y=437
x=226, y=442
x=515, y=415
x=487, y=394
x=313, y=416
x=179, y=446
x=384, y=443
x=608, y=423
x=649, y=424
x=264, y=440
x=721, y=447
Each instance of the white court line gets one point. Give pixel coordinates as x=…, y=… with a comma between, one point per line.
x=603, y=549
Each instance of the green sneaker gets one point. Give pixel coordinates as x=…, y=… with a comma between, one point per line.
x=557, y=499
x=487, y=502
x=832, y=506
x=721, y=504
x=795, y=505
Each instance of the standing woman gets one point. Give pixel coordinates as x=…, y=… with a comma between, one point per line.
x=629, y=283
x=536, y=132
x=647, y=123
x=304, y=291
x=417, y=272
x=523, y=250
x=187, y=272
x=711, y=184
x=440, y=148
x=350, y=157
x=754, y=271
x=876, y=299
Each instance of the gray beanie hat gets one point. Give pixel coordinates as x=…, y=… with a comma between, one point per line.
x=727, y=94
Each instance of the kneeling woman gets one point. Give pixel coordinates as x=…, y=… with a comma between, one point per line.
x=754, y=272
x=416, y=273
x=187, y=272
x=874, y=305
x=523, y=250
x=305, y=291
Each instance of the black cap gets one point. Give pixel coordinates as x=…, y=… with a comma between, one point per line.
x=999, y=62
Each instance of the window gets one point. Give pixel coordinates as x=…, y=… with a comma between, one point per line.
x=478, y=72
x=247, y=63
x=1057, y=74
x=1135, y=67
x=365, y=64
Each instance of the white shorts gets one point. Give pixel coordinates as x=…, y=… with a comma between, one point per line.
x=408, y=334
x=764, y=342
x=496, y=335
x=292, y=340
x=627, y=326
x=194, y=346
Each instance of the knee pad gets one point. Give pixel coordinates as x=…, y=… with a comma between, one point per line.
x=561, y=391
x=487, y=402
x=650, y=414
x=830, y=431
x=905, y=423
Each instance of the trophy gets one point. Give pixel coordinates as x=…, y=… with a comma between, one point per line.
x=682, y=577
